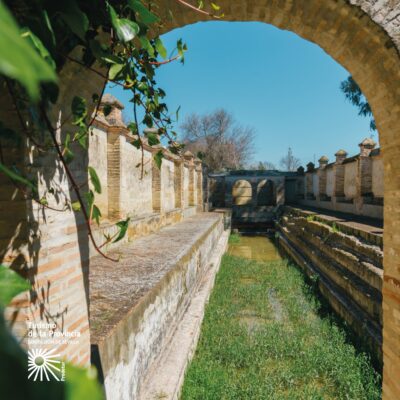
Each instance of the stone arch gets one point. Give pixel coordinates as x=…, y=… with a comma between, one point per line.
x=266, y=193
x=242, y=193
x=364, y=37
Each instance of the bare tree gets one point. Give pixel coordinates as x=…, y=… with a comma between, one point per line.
x=219, y=140
x=289, y=162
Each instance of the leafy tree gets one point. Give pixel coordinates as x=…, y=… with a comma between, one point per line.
x=218, y=139
x=289, y=162
x=354, y=94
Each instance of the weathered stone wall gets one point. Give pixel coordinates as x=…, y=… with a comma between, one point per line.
x=348, y=265
x=167, y=185
x=352, y=185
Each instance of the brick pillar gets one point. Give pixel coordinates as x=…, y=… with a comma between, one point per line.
x=178, y=183
x=199, y=184
x=309, y=181
x=190, y=164
x=364, y=181
x=156, y=186
x=323, y=162
x=114, y=173
x=338, y=185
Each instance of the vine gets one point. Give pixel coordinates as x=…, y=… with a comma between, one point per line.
x=118, y=44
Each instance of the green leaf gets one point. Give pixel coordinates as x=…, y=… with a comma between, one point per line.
x=215, y=6
x=79, y=109
x=177, y=113
x=126, y=29
x=18, y=58
x=152, y=139
x=158, y=158
x=81, y=383
x=161, y=50
x=67, y=152
x=96, y=214
x=123, y=227
x=200, y=5
x=38, y=45
x=147, y=120
x=89, y=199
x=95, y=179
x=11, y=284
x=133, y=128
x=115, y=70
x=76, y=206
x=136, y=143
x=145, y=16
x=74, y=17
x=17, y=177
x=147, y=45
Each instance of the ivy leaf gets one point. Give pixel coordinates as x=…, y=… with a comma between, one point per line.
x=158, y=158
x=11, y=284
x=76, y=206
x=96, y=214
x=18, y=58
x=161, y=50
x=107, y=109
x=78, y=108
x=152, y=139
x=145, y=16
x=74, y=17
x=17, y=177
x=123, y=227
x=38, y=45
x=95, y=179
x=136, y=143
x=133, y=128
x=147, y=45
x=125, y=28
x=115, y=70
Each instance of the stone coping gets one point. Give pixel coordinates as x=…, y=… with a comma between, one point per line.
x=370, y=229
x=116, y=289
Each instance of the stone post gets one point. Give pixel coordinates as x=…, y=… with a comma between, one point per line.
x=199, y=184
x=338, y=185
x=300, y=183
x=364, y=181
x=178, y=183
x=156, y=183
x=309, y=181
x=323, y=162
x=190, y=163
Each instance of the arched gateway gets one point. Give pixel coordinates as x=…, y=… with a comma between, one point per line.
x=363, y=36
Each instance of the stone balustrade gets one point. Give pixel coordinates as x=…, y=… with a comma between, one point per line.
x=348, y=184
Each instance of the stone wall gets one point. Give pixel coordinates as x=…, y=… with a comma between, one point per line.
x=347, y=265
x=349, y=184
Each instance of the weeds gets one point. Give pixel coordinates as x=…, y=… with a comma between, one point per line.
x=246, y=352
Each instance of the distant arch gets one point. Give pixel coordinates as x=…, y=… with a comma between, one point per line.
x=266, y=193
x=242, y=193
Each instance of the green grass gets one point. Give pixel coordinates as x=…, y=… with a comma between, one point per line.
x=263, y=338
x=234, y=238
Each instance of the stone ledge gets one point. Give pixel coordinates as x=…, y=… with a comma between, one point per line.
x=135, y=303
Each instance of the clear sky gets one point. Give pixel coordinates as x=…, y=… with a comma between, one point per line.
x=283, y=86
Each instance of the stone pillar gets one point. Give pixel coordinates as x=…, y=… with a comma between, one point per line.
x=114, y=173
x=323, y=162
x=189, y=160
x=178, y=183
x=338, y=185
x=300, y=184
x=199, y=184
x=309, y=181
x=156, y=184
x=364, y=181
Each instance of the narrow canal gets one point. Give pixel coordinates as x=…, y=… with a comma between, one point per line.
x=266, y=335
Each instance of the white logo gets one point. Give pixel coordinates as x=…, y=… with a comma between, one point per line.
x=44, y=364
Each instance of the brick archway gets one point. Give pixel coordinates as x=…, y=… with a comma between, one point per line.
x=364, y=37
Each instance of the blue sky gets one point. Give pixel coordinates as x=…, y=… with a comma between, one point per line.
x=286, y=88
